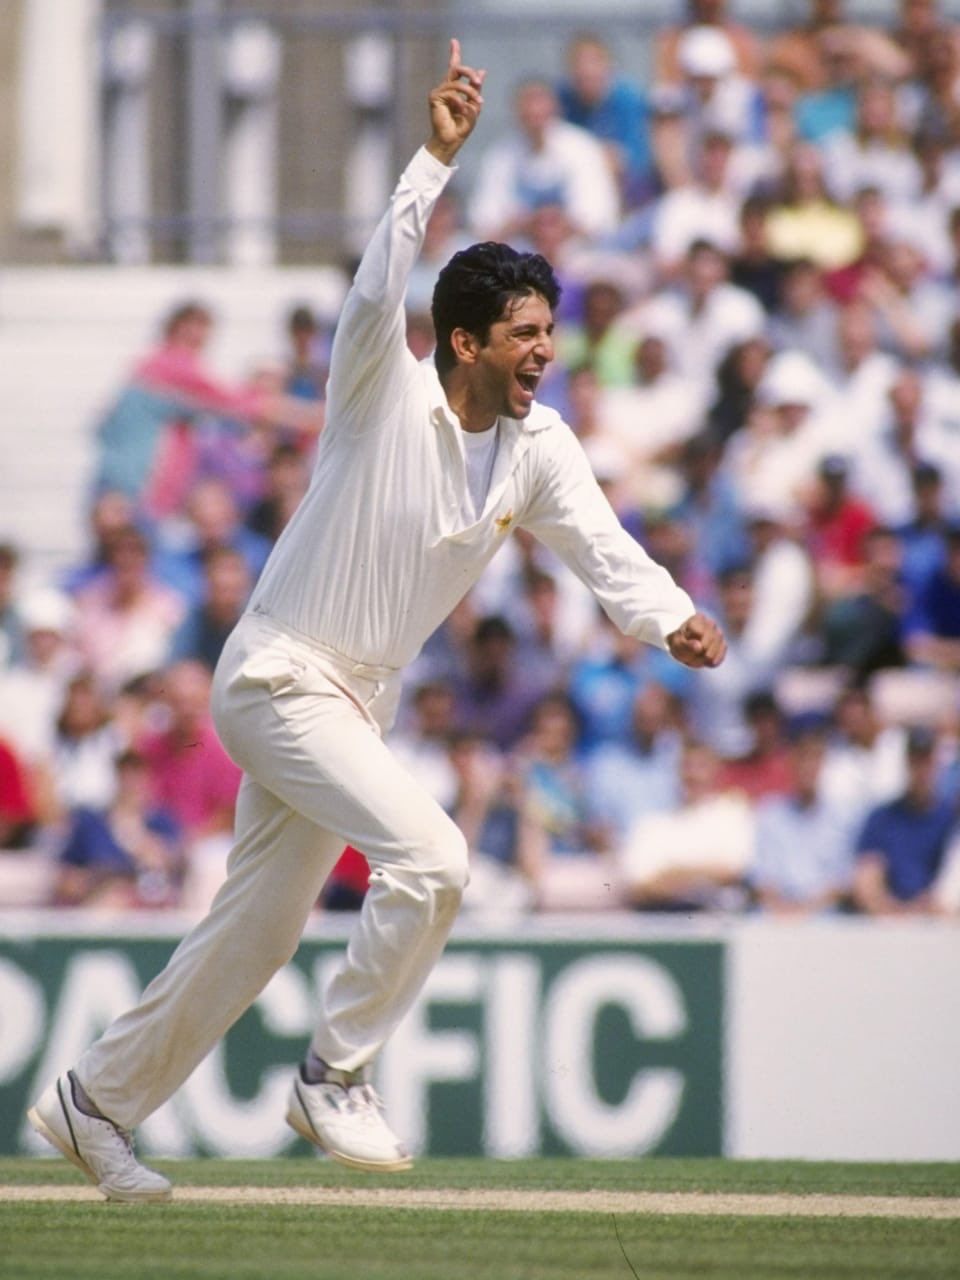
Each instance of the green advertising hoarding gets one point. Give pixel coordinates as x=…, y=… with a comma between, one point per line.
x=576, y=1045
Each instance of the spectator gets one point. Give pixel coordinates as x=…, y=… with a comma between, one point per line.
x=544, y=160
x=862, y=632
x=923, y=539
x=860, y=374
x=716, y=702
x=702, y=208
x=765, y=769
x=667, y=61
x=832, y=107
x=739, y=376
x=636, y=775
x=127, y=854
x=930, y=46
x=227, y=585
x=754, y=266
x=783, y=584
x=710, y=511
x=305, y=375
x=32, y=691
x=286, y=482
x=913, y=311
x=805, y=317
x=193, y=778
x=805, y=221
x=649, y=422
x=605, y=683
x=933, y=626
x=593, y=97
x=126, y=618
x=111, y=514
x=493, y=699
x=694, y=856
x=87, y=743
x=910, y=435
x=772, y=461
x=803, y=857
x=144, y=443
x=803, y=51
x=925, y=221
x=701, y=318
x=595, y=340
x=834, y=530
x=561, y=854
x=212, y=520
x=486, y=809
x=866, y=758
x=902, y=845
x=876, y=152
x=423, y=745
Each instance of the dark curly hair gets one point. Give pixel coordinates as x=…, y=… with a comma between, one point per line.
x=478, y=287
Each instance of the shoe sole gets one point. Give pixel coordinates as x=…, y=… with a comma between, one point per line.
x=301, y=1125
x=65, y=1149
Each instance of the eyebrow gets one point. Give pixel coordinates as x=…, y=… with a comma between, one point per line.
x=529, y=327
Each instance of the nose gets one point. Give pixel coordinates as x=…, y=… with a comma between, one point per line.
x=544, y=347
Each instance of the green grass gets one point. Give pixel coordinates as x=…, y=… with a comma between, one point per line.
x=96, y=1241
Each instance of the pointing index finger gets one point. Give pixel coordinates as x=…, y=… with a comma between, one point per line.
x=457, y=70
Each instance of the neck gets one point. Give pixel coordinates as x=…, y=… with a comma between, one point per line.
x=473, y=415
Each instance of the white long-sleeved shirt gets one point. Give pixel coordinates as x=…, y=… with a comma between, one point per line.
x=382, y=546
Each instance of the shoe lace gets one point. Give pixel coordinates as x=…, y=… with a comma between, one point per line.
x=364, y=1098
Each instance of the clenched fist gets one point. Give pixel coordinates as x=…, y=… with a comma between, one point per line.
x=698, y=643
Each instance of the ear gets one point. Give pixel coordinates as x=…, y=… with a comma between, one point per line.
x=465, y=346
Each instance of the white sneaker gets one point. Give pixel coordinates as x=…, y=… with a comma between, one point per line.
x=100, y=1148
x=343, y=1116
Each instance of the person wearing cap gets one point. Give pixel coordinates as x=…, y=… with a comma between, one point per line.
x=835, y=525
x=773, y=458
x=32, y=689
x=747, y=51
x=711, y=97
x=903, y=844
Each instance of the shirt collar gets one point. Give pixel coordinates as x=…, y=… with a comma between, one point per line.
x=440, y=410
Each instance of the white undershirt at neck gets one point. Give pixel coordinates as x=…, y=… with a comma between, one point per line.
x=480, y=448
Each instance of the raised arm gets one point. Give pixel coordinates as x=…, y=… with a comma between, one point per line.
x=369, y=352
x=455, y=106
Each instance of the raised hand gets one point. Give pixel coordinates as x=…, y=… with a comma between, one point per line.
x=698, y=643
x=455, y=106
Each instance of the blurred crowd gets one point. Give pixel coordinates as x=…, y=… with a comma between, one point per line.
x=758, y=347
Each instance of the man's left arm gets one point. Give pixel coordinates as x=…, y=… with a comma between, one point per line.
x=571, y=515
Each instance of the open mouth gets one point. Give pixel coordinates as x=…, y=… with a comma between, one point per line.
x=529, y=380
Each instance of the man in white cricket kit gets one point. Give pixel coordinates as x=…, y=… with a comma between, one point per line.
x=423, y=470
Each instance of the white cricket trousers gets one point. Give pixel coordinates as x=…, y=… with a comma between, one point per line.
x=305, y=725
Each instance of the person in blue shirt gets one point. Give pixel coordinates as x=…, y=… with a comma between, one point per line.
x=803, y=844
x=614, y=110
x=902, y=845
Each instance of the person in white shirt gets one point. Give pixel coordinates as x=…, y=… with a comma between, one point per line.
x=543, y=161
x=398, y=523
